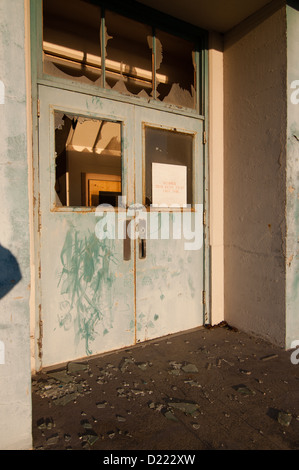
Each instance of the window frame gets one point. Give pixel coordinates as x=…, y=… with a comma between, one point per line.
x=138, y=12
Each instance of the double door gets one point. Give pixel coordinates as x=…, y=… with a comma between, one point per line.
x=120, y=232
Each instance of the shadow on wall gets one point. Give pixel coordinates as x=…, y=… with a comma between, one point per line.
x=10, y=273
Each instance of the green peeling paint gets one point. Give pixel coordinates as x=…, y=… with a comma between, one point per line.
x=86, y=286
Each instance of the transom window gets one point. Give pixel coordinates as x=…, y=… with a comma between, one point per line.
x=85, y=42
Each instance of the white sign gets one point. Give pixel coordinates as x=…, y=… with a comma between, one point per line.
x=169, y=184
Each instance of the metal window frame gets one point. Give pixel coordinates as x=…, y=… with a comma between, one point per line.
x=138, y=13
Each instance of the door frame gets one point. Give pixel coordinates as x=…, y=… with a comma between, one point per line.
x=38, y=78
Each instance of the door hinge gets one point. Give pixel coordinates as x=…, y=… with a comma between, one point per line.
x=38, y=108
x=204, y=218
x=204, y=297
x=204, y=137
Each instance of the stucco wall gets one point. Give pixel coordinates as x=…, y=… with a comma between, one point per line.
x=292, y=177
x=216, y=175
x=15, y=389
x=254, y=174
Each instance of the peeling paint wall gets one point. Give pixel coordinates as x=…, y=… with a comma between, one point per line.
x=254, y=174
x=292, y=177
x=15, y=377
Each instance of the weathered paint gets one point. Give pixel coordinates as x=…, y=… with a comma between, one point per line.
x=216, y=176
x=292, y=179
x=92, y=300
x=87, y=289
x=254, y=174
x=15, y=374
x=170, y=279
x=86, y=286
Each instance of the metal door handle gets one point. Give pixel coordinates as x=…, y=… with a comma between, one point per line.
x=127, y=243
x=142, y=238
x=142, y=248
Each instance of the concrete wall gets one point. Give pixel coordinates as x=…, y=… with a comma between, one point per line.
x=292, y=177
x=216, y=176
x=254, y=174
x=15, y=378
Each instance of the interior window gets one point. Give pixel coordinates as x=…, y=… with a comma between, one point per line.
x=88, y=161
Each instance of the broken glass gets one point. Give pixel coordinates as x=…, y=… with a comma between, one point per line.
x=128, y=62
x=133, y=60
x=71, y=40
x=88, y=161
x=175, y=70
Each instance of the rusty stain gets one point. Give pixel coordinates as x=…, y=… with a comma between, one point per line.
x=40, y=339
x=88, y=210
x=135, y=304
x=291, y=189
x=290, y=259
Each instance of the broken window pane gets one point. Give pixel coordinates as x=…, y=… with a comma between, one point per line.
x=88, y=161
x=71, y=40
x=128, y=63
x=168, y=147
x=175, y=70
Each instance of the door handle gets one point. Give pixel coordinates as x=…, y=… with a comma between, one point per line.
x=142, y=239
x=142, y=248
x=127, y=243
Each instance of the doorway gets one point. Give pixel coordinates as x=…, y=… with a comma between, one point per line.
x=121, y=198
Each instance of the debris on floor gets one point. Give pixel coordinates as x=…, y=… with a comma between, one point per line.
x=150, y=397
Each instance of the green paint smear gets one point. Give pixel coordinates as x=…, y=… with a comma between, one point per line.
x=85, y=283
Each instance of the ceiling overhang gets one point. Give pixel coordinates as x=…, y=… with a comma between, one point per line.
x=213, y=15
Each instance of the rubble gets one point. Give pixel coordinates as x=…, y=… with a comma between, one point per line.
x=52, y=440
x=169, y=415
x=195, y=425
x=190, y=369
x=270, y=356
x=244, y=390
x=75, y=367
x=284, y=418
x=186, y=407
x=60, y=387
x=124, y=364
x=166, y=393
x=102, y=404
x=121, y=419
x=192, y=383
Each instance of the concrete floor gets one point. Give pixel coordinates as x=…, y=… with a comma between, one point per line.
x=205, y=389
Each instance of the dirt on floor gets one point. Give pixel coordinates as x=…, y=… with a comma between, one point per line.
x=212, y=388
